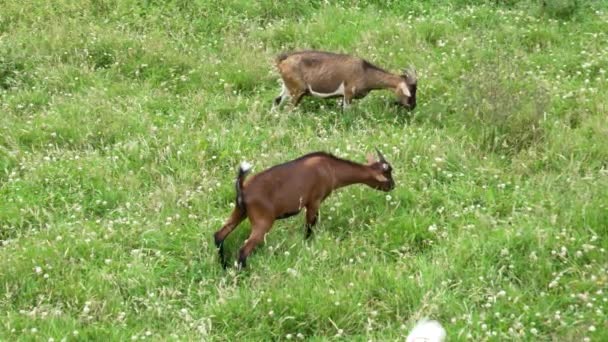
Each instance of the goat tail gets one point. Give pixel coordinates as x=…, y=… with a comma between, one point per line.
x=281, y=58
x=244, y=169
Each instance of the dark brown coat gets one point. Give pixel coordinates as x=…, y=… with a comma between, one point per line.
x=284, y=190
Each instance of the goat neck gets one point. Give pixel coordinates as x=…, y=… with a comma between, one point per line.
x=378, y=79
x=345, y=174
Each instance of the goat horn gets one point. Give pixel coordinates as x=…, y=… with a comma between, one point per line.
x=380, y=156
x=412, y=72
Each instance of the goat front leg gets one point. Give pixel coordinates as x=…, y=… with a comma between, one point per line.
x=312, y=213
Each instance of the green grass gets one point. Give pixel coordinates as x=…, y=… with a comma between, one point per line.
x=122, y=123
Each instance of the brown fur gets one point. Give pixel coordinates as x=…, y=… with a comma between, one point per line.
x=284, y=190
x=323, y=72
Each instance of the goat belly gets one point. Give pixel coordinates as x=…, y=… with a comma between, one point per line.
x=325, y=93
x=289, y=214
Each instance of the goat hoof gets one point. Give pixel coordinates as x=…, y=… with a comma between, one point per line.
x=217, y=241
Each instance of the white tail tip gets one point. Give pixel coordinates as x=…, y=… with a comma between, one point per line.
x=427, y=331
x=245, y=166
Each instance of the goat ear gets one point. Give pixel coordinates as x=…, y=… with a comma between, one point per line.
x=403, y=87
x=381, y=178
x=370, y=159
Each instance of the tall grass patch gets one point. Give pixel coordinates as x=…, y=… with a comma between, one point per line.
x=504, y=108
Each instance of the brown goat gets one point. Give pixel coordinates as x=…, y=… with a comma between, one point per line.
x=283, y=190
x=325, y=74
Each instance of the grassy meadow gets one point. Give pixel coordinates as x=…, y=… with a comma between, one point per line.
x=122, y=123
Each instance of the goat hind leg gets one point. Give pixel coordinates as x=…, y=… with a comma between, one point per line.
x=296, y=87
x=236, y=217
x=347, y=99
x=258, y=230
x=282, y=96
x=295, y=100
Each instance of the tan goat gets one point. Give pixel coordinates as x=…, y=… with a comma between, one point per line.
x=327, y=75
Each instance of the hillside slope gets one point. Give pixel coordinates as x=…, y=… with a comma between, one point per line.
x=123, y=123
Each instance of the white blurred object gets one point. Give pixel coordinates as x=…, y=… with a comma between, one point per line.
x=245, y=166
x=427, y=331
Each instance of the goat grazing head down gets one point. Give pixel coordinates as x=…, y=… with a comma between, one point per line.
x=383, y=172
x=285, y=189
x=406, y=91
x=327, y=75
